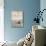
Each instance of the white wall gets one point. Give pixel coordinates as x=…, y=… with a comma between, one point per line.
x=1, y=20
x=43, y=6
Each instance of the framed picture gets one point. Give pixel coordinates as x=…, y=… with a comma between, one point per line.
x=17, y=19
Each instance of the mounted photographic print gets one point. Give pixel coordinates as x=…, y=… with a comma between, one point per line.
x=17, y=19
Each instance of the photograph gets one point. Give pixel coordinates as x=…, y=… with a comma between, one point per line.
x=17, y=18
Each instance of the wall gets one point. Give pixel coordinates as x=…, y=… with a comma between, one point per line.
x=1, y=20
x=29, y=7
x=43, y=6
